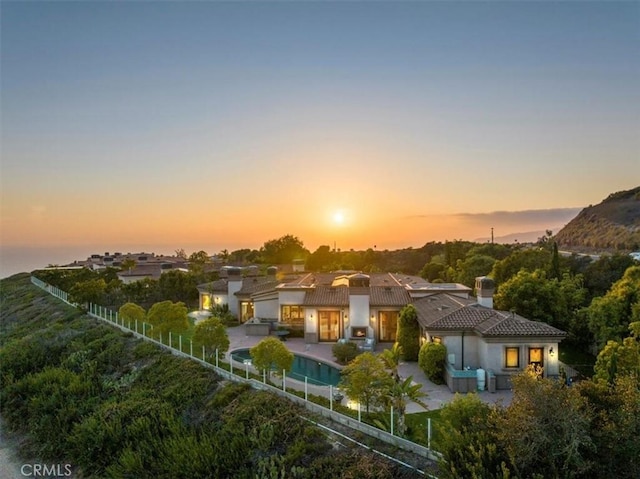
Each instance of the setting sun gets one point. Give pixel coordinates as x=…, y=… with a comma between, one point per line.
x=338, y=217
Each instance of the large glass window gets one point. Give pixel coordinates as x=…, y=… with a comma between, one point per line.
x=292, y=314
x=330, y=325
x=535, y=357
x=246, y=310
x=512, y=357
x=206, y=302
x=388, y=325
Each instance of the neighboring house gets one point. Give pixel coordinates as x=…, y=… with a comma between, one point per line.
x=236, y=291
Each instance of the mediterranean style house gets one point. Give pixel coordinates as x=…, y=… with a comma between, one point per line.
x=354, y=306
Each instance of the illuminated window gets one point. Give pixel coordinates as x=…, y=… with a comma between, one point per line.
x=292, y=314
x=388, y=325
x=206, y=301
x=512, y=357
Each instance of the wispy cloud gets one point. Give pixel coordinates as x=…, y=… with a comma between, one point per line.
x=552, y=216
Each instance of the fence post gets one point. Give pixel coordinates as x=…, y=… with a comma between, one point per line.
x=170, y=341
x=306, y=393
x=136, y=323
x=246, y=363
x=203, y=353
x=217, y=363
x=284, y=380
x=144, y=331
x=190, y=348
x=264, y=376
x=111, y=317
x=231, y=362
x=180, y=342
x=359, y=411
x=330, y=397
x=428, y=433
x=392, y=420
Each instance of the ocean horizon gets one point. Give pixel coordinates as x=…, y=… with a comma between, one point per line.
x=21, y=259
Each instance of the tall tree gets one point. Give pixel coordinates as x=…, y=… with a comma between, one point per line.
x=366, y=380
x=620, y=358
x=91, y=291
x=131, y=312
x=408, y=333
x=211, y=334
x=611, y=314
x=468, y=440
x=403, y=391
x=283, y=250
x=271, y=353
x=166, y=317
x=545, y=429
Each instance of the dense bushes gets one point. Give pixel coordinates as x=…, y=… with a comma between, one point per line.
x=118, y=407
x=345, y=352
x=432, y=361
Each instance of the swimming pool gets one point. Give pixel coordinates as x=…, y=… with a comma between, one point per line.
x=315, y=371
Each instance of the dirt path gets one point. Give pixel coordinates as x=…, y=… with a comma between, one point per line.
x=10, y=464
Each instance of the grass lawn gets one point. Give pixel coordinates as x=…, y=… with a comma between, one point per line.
x=417, y=424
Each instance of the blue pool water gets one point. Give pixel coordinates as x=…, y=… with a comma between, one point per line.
x=316, y=372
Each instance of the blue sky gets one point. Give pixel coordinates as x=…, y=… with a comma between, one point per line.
x=233, y=123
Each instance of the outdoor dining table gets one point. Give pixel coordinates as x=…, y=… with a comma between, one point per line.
x=282, y=334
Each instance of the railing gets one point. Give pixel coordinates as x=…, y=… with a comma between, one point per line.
x=243, y=372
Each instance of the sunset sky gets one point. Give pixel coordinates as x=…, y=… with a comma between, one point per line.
x=223, y=125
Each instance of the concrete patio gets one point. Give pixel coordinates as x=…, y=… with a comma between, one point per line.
x=437, y=395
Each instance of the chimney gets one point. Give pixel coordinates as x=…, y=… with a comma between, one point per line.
x=485, y=288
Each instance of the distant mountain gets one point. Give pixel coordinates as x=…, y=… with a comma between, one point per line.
x=613, y=225
x=524, y=237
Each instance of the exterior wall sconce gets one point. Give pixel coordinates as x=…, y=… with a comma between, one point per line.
x=551, y=352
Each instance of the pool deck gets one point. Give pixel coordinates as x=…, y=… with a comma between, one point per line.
x=437, y=394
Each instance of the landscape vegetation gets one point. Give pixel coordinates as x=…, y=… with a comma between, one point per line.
x=116, y=406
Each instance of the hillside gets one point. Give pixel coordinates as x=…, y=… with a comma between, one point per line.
x=75, y=391
x=613, y=225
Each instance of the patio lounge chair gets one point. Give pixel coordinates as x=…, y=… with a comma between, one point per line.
x=369, y=344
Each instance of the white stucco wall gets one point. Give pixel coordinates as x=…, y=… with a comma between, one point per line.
x=291, y=297
x=358, y=314
x=311, y=320
x=266, y=308
x=471, y=349
x=216, y=299
x=233, y=286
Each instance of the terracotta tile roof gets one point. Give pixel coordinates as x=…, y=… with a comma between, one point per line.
x=388, y=296
x=218, y=286
x=327, y=296
x=443, y=312
x=465, y=318
x=256, y=285
x=505, y=324
x=437, y=306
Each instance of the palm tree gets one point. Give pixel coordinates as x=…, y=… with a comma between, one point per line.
x=391, y=359
x=401, y=393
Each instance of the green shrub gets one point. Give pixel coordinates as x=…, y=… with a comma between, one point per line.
x=432, y=361
x=408, y=333
x=345, y=352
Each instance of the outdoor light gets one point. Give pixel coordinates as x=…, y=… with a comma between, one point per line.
x=551, y=353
